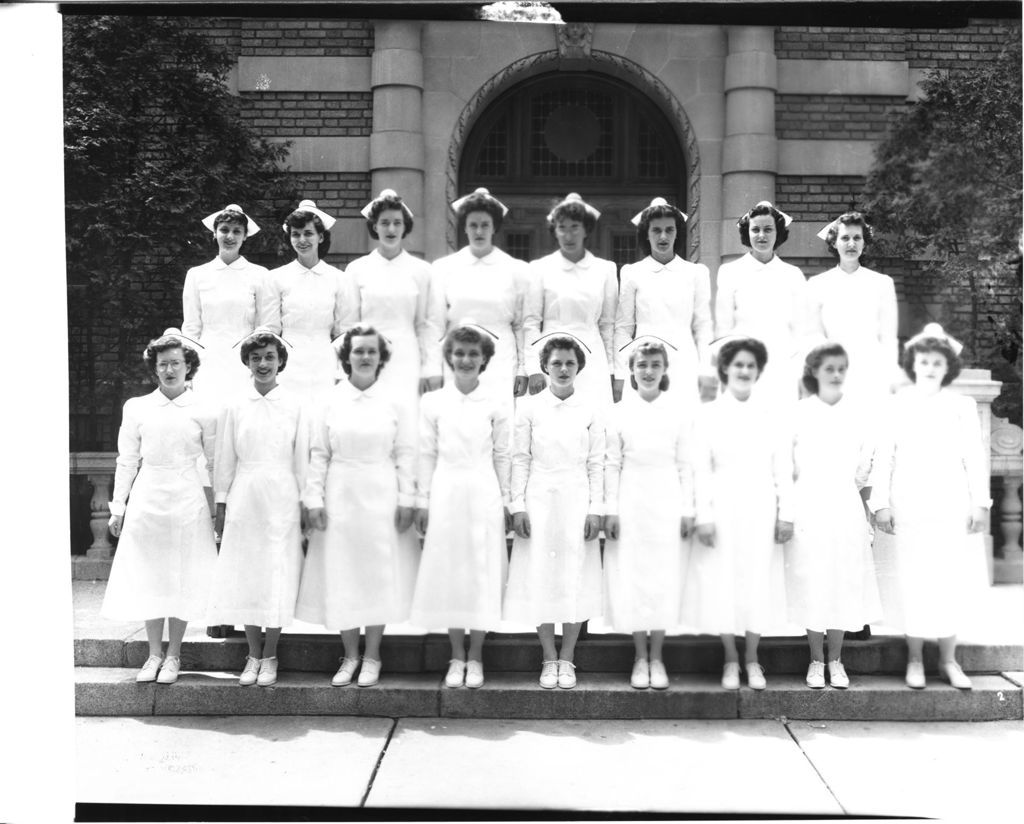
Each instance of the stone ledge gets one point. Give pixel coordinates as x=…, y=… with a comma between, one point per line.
x=114, y=692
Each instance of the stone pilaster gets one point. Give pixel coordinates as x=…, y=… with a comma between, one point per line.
x=749, y=150
x=397, y=149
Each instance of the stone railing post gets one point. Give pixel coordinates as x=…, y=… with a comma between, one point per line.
x=1008, y=464
x=978, y=384
x=98, y=468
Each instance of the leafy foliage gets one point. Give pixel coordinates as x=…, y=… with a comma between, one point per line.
x=947, y=187
x=153, y=142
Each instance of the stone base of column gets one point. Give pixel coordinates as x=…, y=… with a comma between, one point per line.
x=90, y=569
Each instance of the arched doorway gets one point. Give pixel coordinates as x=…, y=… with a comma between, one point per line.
x=573, y=132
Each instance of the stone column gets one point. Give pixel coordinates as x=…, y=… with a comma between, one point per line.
x=397, y=149
x=1008, y=465
x=749, y=150
x=978, y=384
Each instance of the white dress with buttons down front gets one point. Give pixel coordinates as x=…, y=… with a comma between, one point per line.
x=221, y=304
x=579, y=298
x=488, y=291
x=670, y=300
x=360, y=570
x=557, y=479
x=463, y=483
x=259, y=471
x=743, y=478
x=766, y=301
x=858, y=309
x=395, y=298
x=166, y=553
x=309, y=308
x=649, y=485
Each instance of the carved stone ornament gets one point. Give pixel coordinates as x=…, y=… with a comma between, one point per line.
x=575, y=40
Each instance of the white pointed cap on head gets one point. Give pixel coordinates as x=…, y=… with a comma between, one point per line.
x=647, y=339
x=786, y=219
x=310, y=206
x=574, y=197
x=174, y=332
x=823, y=234
x=658, y=201
x=481, y=192
x=557, y=334
x=250, y=225
x=935, y=330
x=262, y=330
x=468, y=322
x=385, y=194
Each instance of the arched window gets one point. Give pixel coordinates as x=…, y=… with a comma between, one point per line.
x=573, y=132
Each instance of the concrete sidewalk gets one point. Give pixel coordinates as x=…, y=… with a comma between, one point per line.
x=786, y=768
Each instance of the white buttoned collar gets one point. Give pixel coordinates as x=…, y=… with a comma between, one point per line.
x=237, y=265
x=490, y=259
x=478, y=394
x=321, y=268
x=551, y=399
x=186, y=398
x=568, y=265
x=674, y=265
x=349, y=390
x=254, y=394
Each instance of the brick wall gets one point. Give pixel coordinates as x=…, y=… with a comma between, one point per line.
x=817, y=199
x=222, y=31
x=838, y=43
x=953, y=48
x=834, y=117
x=306, y=38
x=289, y=114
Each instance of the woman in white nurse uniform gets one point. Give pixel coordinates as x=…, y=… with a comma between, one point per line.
x=571, y=290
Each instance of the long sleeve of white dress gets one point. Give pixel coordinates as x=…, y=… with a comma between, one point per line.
x=972, y=449
x=346, y=305
x=782, y=469
x=522, y=456
x=129, y=454
x=612, y=463
x=191, y=307
x=625, y=322
x=684, y=464
x=432, y=352
x=595, y=466
x=300, y=452
x=426, y=460
x=702, y=463
x=225, y=456
x=725, y=302
x=429, y=324
x=502, y=450
x=405, y=458
x=319, y=458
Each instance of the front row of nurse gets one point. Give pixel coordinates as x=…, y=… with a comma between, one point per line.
x=718, y=517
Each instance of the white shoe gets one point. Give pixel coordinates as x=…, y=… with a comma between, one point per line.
x=816, y=675
x=474, y=674
x=169, y=671
x=956, y=676
x=268, y=672
x=456, y=673
x=659, y=678
x=640, y=679
x=755, y=676
x=369, y=674
x=566, y=674
x=149, y=669
x=549, y=675
x=915, y=675
x=837, y=676
x=250, y=673
x=343, y=677
x=731, y=676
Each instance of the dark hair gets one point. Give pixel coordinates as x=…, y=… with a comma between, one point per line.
x=730, y=349
x=932, y=345
x=260, y=340
x=815, y=358
x=781, y=232
x=478, y=203
x=652, y=213
x=573, y=210
x=849, y=219
x=648, y=348
x=561, y=343
x=298, y=220
x=345, y=352
x=384, y=204
x=468, y=335
x=232, y=216
x=171, y=342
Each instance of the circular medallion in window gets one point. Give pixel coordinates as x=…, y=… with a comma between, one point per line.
x=572, y=133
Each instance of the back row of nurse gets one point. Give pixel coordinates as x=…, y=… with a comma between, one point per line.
x=413, y=303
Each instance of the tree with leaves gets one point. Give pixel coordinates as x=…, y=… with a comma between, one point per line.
x=946, y=189
x=153, y=143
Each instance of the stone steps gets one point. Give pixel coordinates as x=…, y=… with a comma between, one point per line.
x=516, y=695
x=412, y=654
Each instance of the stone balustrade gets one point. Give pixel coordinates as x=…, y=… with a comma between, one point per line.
x=1002, y=447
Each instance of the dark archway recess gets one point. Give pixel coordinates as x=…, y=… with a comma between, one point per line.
x=582, y=132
